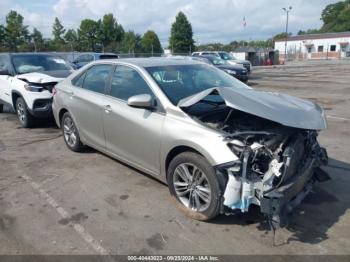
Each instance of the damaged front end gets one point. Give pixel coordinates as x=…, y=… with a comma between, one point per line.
x=275, y=140
x=275, y=170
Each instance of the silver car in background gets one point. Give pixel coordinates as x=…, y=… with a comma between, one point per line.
x=219, y=145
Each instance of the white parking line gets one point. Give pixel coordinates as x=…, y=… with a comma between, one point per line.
x=85, y=235
x=339, y=118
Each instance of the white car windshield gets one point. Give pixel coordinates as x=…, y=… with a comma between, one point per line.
x=38, y=63
x=180, y=81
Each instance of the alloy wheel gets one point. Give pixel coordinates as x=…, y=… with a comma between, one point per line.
x=69, y=131
x=21, y=112
x=192, y=187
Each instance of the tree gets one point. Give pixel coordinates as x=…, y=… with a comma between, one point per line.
x=131, y=43
x=336, y=17
x=110, y=32
x=71, y=38
x=58, y=31
x=38, y=41
x=88, y=34
x=280, y=36
x=308, y=32
x=181, y=37
x=150, y=43
x=16, y=34
x=2, y=37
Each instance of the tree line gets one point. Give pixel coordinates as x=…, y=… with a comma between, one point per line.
x=105, y=34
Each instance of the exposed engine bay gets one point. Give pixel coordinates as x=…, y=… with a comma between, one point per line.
x=277, y=164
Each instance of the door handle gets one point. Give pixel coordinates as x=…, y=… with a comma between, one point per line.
x=108, y=109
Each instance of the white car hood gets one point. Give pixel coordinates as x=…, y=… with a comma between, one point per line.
x=284, y=109
x=44, y=77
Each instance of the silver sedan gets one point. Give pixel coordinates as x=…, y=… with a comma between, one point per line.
x=218, y=144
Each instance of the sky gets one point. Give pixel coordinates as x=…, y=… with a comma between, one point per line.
x=212, y=20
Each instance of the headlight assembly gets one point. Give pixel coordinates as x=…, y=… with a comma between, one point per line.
x=32, y=88
x=231, y=72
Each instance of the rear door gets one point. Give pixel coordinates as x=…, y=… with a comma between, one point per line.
x=5, y=80
x=132, y=134
x=86, y=103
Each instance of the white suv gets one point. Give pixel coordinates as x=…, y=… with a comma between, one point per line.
x=26, y=83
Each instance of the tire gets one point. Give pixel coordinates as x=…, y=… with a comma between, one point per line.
x=24, y=117
x=1, y=108
x=70, y=133
x=206, y=210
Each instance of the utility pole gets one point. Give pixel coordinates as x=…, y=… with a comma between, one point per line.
x=152, y=49
x=287, y=10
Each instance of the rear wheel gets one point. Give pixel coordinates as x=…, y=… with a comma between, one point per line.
x=24, y=117
x=195, y=186
x=70, y=133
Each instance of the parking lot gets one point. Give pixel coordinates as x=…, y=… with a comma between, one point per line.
x=54, y=201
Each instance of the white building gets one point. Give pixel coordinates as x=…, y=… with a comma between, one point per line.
x=315, y=46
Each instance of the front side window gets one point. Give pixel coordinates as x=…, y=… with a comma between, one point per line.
x=38, y=63
x=127, y=82
x=96, y=78
x=4, y=63
x=180, y=81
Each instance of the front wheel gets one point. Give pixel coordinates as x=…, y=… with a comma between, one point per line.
x=70, y=133
x=195, y=186
x=24, y=117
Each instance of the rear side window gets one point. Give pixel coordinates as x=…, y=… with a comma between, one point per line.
x=96, y=78
x=78, y=80
x=127, y=82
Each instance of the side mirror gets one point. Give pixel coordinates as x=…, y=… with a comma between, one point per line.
x=4, y=72
x=141, y=101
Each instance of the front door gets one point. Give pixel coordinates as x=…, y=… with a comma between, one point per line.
x=132, y=134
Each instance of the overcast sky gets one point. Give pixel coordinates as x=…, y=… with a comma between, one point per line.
x=212, y=20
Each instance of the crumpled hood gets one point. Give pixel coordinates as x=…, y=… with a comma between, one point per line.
x=45, y=77
x=284, y=109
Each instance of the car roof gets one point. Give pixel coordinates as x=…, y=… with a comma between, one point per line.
x=154, y=61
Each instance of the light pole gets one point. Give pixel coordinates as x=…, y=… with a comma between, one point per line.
x=287, y=10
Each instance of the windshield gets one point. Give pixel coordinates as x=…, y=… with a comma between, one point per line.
x=226, y=56
x=216, y=60
x=180, y=81
x=38, y=63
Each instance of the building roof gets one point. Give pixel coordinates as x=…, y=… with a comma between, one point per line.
x=316, y=36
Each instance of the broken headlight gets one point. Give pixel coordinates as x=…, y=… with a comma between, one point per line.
x=33, y=88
